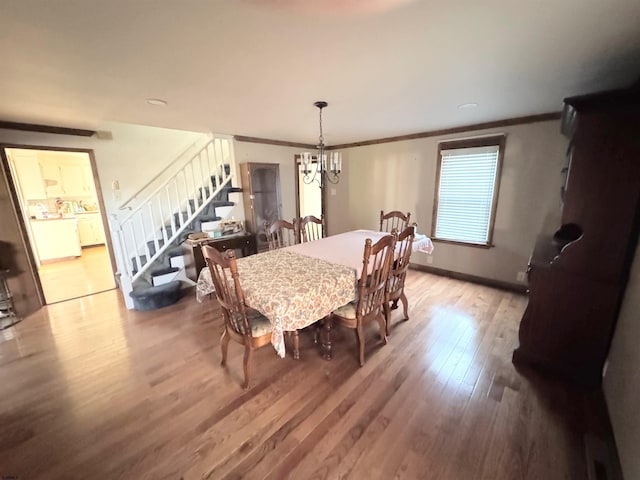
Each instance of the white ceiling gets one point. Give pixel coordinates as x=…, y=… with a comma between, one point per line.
x=256, y=67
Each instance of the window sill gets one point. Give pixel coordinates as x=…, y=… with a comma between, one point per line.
x=463, y=244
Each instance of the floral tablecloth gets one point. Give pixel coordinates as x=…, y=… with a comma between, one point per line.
x=290, y=289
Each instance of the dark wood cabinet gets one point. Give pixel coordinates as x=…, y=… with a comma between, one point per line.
x=577, y=277
x=261, y=198
x=192, y=250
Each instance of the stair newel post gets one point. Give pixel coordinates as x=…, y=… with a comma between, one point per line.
x=122, y=259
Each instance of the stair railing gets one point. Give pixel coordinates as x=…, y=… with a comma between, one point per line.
x=165, y=213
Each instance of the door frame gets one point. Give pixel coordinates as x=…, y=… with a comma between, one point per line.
x=20, y=215
x=297, y=160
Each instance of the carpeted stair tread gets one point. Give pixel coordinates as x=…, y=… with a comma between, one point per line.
x=174, y=252
x=163, y=271
x=151, y=298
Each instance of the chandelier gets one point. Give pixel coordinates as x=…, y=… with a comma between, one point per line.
x=323, y=167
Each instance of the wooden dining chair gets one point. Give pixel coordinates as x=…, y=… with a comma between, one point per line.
x=393, y=220
x=242, y=324
x=312, y=228
x=282, y=233
x=369, y=306
x=398, y=274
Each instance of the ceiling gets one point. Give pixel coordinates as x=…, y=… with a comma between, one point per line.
x=386, y=67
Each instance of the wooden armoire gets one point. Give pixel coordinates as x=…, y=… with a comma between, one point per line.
x=577, y=277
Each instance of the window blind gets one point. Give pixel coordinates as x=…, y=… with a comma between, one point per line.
x=465, y=194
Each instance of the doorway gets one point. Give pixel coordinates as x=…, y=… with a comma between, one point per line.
x=309, y=196
x=63, y=216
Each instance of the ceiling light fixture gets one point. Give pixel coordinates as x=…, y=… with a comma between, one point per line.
x=468, y=105
x=324, y=173
x=157, y=102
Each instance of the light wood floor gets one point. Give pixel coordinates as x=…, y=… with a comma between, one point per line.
x=93, y=391
x=88, y=274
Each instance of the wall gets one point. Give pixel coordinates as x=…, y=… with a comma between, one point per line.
x=622, y=380
x=133, y=155
x=401, y=176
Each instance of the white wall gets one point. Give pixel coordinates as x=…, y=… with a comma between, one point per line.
x=622, y=380
x=401, y=176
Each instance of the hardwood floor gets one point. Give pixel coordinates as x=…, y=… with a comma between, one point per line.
x=91, y=390
x=88, y=274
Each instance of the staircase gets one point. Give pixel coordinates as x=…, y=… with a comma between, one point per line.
x=147, y=241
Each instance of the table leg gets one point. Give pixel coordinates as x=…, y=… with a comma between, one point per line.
x=296, y=346
x=327, y=324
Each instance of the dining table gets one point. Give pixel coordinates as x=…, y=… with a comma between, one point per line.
x=298, y=285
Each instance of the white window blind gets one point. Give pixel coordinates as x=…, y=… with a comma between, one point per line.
x=465, y=194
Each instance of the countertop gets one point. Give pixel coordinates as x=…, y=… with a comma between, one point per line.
x=67, y=216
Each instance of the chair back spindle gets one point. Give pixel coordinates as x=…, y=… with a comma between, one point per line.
x=312, y=228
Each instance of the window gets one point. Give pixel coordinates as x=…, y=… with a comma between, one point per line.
x=467, y=190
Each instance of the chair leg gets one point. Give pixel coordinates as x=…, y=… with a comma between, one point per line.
x=361, y=343
x=394, y=305
x=383, y=328
x=327, y=323
x=296, y=345
x=224, y=346
x=248, y=353
x=387, y=316
x=405, y=305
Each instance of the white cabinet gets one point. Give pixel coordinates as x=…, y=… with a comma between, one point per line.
x=77, y=178
x=52, y=177
x=90, y=229
x=88, y=185
x=72, y=178
x=56, y=238
x=29, y=175
x=67, y=177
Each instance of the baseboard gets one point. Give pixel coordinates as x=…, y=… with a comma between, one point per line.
x=489, y=282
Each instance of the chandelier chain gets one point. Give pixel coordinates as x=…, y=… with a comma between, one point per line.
x=321, y=137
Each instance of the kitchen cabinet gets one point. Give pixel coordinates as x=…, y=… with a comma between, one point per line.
x=72, y=178
x=27, y=169
x=56, y=238
x=52, y=178
x=90, y=229
x=77, y=178
x=88, y=183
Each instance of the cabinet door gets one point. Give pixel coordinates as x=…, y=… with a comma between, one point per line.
x=90, y=229
x=72, y=179
x=29, y=175
x=88, y=184
x=52, y=178
x=98, y=229
x=85, y=231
